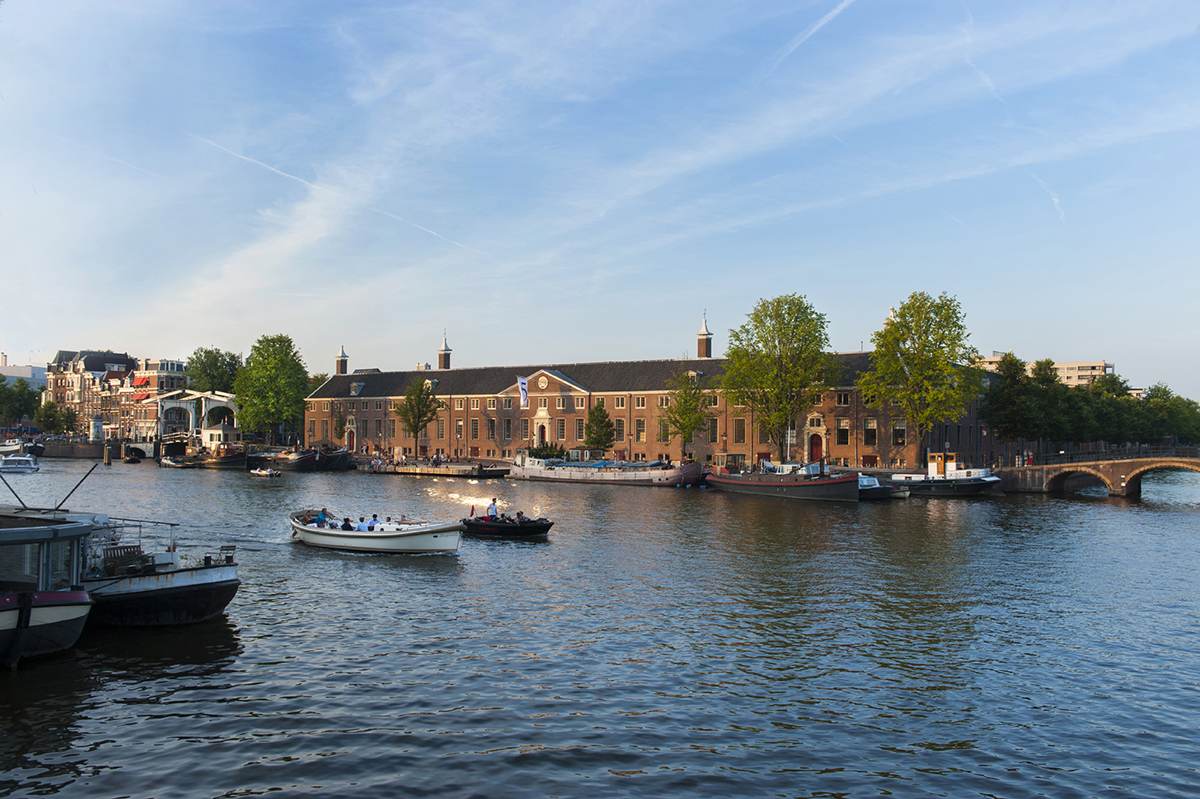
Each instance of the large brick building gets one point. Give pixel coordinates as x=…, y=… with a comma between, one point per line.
x=112, y=394
x=483, y=417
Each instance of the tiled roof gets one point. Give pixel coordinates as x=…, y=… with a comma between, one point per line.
x=603, y=377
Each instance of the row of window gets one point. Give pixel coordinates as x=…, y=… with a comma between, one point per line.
x=493, y=403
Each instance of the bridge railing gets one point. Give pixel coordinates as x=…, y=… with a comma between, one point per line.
x=1115, y=454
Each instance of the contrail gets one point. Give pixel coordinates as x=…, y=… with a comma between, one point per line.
x=1062, y=215
x=803, y=37
x=337, y=194
x=956, y=219
x=105, y=155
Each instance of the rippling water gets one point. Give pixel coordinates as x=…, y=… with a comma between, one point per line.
x=663, y=642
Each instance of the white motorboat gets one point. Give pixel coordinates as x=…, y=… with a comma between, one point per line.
x=646, y=473
x=947, y=478
x=408, y=537
x=262, y=471
x=18, y=464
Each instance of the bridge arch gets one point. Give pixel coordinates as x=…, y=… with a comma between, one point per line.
x=1058, y=480
x=1133, y=480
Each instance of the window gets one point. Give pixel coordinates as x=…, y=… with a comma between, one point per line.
x=639, y=402
x=524, y=428
x=326, y=406
x=899, y=433
x=619, y=429
x=441, y=428
x=712, y=431
x=618, y=402
x=475, y=404
x=507, y=429
x=579, y=428
x=764, y=435
x=491, y=403
x=543, y=403
x=508, y=403
x=815, y=421
x=664, y=401
x=491, y=429
x=379, y=405
x=560, y=429
x=739, y=431
x=325, y=428
x=312, y=427
x=458, y=428
x=378, y=428
x=663, y=433
x=391, y=428
x=843, y=398
x=458, y=405
x=351, y=404
x=579, y=402
x=362, y=428
x=474, y=429
x=843, y=432
x=639, y=430
x=713, y=399
x=559, y=402
x=599, y=402
x=870, y=432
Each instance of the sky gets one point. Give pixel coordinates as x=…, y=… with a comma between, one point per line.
x=565, y=181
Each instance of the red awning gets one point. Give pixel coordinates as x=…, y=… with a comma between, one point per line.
x=141, y=381
x=141, y=396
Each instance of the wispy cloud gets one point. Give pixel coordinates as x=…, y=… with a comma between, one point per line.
x=1062, y=215
x=804, y=36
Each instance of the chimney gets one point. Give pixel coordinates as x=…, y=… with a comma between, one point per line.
x=704, y=339
x=444, y=354
x=343, y=361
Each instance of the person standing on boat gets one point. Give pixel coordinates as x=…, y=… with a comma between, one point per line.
x=493, y=511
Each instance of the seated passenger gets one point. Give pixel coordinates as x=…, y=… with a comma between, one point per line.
x=346, y=525
x=361, y=527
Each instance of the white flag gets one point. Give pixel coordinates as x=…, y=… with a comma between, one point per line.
x=523, y=385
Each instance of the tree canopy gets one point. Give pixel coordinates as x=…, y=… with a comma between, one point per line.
x=272, y=386
x=17, y=400
x=689, y=408
x=419, y=407
x=210, y=369
x=777, y=365
x=922, y=363
x=598, y=432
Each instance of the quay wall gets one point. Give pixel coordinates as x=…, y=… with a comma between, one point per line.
x=63, y=449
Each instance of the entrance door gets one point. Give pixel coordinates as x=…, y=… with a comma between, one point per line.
x=350, y=440
x=815, y=447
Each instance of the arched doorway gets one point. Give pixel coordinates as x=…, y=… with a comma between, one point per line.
x=816, y=448
x=541, y=435
x=350, y=440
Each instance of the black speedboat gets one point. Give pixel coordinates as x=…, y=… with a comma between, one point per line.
x=506, y=527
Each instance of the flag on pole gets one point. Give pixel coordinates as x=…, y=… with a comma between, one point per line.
x=523, y=385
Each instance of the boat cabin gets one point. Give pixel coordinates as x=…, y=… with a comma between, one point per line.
x=41, y=555
x=729, y=462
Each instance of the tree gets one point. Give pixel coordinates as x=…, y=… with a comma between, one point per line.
x=922, y=363
x=272, y=386
x=689, y=408
x=776, y=364
x=48, y=418
x=419, y=407
x=68, y=420
x=210, y=369
x=598, y=432
x=17, y=401
x=316, y=381
x=1009, y=406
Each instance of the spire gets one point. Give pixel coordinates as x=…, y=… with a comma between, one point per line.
x=444, y=353
x=704, y=338
x=342, y=361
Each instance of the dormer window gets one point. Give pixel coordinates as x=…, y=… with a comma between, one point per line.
x=355, y=388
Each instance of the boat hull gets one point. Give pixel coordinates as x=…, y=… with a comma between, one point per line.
x=41, y=623
x=971, y=487
x=534, y=528
x=688, y=474
x=414, y=539
x=791, y=486
x=178, y=596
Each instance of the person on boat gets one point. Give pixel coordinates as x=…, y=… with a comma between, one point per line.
x=521, y=519
x=492, y=510
x=346, y=525
x=322, y=518
x=361, y=527
x=374, y=521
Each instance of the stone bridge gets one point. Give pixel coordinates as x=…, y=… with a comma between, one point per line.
x=1120, y=473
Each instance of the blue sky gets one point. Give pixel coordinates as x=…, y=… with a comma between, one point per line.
x=582, y=181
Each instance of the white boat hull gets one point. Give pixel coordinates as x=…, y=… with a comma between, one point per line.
x=610, y=475
x=418, y=538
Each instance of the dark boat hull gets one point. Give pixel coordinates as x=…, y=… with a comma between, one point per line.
x=225, y=462
x=949, y=488
x=534, y=528
x=182, y=596
x=826, y=489
x=40, y=623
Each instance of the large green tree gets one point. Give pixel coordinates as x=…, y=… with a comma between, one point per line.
x=1009, y=407
x=923, y=364
x=689, y=408
x=777, y=365
x=18, y=400
x=272, y=386
x=598, y=432
x=419, y=408
x=48, y=418
x=211, y=369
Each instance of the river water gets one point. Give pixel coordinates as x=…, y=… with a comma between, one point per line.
x=663, y=642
